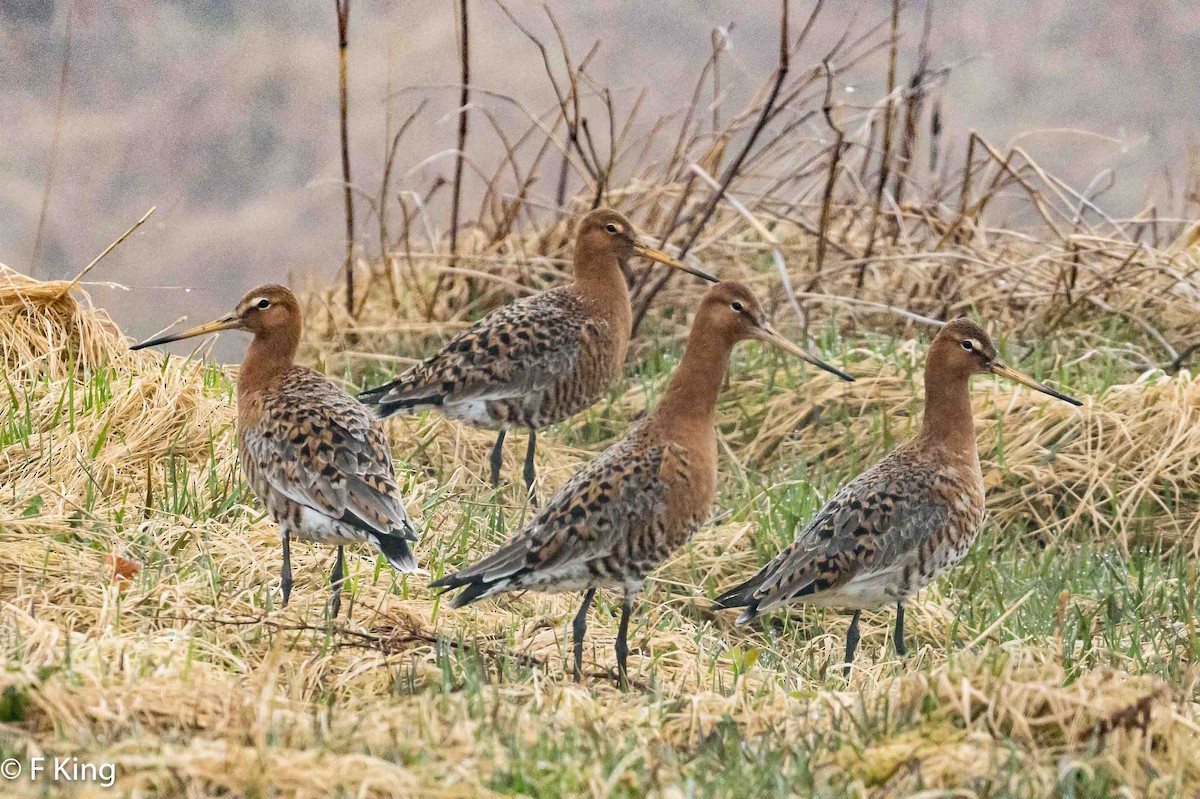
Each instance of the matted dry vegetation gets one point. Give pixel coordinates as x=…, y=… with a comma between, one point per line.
x=139, y=580
x=190, y=679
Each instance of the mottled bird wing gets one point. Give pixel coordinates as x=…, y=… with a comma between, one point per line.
x=518, y=348
x=618, y=496
x=319, y=447
x=864, y=528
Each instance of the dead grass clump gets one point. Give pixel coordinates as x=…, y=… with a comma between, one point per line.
x=44, y=331
x=980, y=723
x=91, y=424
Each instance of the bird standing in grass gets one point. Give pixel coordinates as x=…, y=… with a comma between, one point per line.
x=641, y=498
x=310, y=452
x=539, y=359
x=903, y=522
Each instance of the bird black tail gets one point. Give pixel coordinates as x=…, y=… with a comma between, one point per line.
x=386, y=406
x=474, y=588
x=739, y=596
x=373, y=394
x=395, y=548
x=730, y=600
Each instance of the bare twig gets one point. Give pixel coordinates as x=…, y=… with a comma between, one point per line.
x=835, y=160
x=781, y=72
x=464, y=100
x=343, y=27
x=52, y=160
x=912, y=111
x=83, y=272
x=385, y=244
x=886, y=147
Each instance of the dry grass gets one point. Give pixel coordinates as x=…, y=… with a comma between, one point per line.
x=192, y=681
x=138, y=579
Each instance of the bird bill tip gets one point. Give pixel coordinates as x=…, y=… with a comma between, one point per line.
x=230, y=322
x=153, y=342
x=1019, y=377
x=658, y=256
x=769, y=335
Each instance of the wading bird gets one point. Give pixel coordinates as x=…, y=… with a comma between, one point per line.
x=539, y=359
x=903, y=522
x=641, y=498
x=310, y=452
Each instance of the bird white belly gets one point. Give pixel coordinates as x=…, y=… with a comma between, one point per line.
x=320, y=529
x=865, y=591
x=471, y=411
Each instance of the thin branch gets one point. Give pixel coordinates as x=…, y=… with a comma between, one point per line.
x=83, y=272
x=52, y=162
x=464, y=101
x=385, y=244
x=885, y=159
x=343, y=26
x=714, y=199
x=830, y=181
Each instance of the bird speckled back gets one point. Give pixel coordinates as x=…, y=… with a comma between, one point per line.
x=538, y=360
x=534, y=362
x=886, y=534
x=310, y=453
x=315, y=459
x=610, y=525
x=902, y=523
x=621, y=515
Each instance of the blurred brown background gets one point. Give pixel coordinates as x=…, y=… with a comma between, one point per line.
x=224, y=114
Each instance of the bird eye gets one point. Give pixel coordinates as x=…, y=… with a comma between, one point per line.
x=968, y=345
x=610, y=227
x=264, y=303
x=737, y=306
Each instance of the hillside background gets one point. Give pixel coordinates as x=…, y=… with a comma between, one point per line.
x=224, y=114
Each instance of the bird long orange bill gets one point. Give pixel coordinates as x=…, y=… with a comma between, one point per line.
x=661, y=257
x=228, y=322
x=768, y=334
x=1025, y=380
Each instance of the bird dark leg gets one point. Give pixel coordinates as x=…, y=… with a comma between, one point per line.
x=622, y=646
x=530, y=472
x=852, y=639
x=285, y=582
x=497, y=456
x=901, y=649
x=578, y=628
x=336, y=578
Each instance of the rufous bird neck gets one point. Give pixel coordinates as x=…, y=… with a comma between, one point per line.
x=600, y=282
x=271, y=353
x=691, y=398
x=949, y=422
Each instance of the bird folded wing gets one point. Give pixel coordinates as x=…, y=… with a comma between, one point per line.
x=614, y=497
x=320, y=448
x=865, y=528
x=521, y=347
